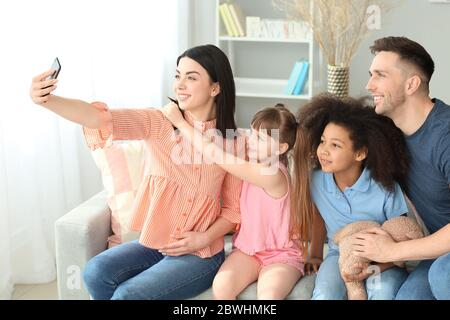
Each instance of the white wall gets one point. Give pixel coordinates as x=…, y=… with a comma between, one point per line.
x=203, y=26
x=424, y=22
x=420, y=20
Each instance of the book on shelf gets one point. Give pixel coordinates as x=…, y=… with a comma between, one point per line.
x=272, y=29
x=236, y=24
x=295, y=73
x=300, y=85
x=287, y=29
x=224, y=14
x=238, y=18
x=230, y=18
x=276, y=29
x=253, y=26
x=297, y=79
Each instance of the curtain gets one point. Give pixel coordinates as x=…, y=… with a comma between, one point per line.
x=119, y=52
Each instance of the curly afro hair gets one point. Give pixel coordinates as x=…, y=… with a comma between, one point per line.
x=387, y=156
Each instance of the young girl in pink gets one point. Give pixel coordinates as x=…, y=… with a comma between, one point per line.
x=264, y=246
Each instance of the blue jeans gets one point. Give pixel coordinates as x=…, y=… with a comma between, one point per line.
x=428, y=281
x=131, y=271
x=330, y=285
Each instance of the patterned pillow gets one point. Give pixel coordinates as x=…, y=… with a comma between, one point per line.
x=122, y=167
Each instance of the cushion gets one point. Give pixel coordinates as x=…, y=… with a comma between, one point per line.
x=122, y=167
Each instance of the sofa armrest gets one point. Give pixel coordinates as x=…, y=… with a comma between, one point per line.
x=79, y=235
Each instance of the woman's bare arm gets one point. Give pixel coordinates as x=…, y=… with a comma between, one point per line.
x=77, y=111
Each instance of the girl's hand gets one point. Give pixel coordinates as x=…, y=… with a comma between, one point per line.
x=40, y=88
x=188, y=242
x=312, y=265
x=173, y=113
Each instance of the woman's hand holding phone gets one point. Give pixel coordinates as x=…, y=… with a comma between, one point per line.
x=45, y=83
x=41, y=88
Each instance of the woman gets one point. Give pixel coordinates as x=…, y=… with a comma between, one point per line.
x=183, y=210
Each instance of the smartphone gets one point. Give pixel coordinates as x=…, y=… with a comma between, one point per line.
x=55, y=66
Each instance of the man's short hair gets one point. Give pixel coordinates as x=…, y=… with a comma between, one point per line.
x=409, y=51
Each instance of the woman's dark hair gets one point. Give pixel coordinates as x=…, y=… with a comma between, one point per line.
x=216, y=63
x=387, y=155
x=408, y=51
x=280, y=118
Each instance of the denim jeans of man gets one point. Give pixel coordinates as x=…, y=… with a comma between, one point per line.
x=131, y=271
x=428, y=281
x=330, y=285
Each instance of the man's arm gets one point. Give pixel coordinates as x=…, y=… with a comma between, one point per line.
x=377, y=245
x=430, y=247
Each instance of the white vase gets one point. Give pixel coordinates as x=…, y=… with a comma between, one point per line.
x=338, y=80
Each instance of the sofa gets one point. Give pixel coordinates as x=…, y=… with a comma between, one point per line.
x=83, y=232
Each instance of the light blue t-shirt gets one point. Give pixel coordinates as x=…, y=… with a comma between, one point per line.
x=365, y=200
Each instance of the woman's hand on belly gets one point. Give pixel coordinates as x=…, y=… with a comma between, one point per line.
x=186, y=243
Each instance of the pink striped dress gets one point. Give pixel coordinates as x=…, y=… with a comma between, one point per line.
x=173, y=198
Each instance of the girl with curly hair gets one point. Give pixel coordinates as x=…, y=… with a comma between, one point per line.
x=352, y=161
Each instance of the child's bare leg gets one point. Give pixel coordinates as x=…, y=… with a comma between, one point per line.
x=276, y=281
x=236, y=273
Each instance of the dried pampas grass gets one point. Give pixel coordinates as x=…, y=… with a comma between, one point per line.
x=338, y=25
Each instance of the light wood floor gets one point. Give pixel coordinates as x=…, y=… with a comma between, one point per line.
x=47, y=291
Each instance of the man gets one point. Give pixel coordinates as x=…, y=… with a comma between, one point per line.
x=399, y=83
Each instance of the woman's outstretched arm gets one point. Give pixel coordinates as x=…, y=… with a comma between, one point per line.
x=74, y=110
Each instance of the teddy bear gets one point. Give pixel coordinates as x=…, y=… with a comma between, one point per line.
x=400, y=228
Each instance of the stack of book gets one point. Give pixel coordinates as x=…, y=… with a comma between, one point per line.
x=233, y=19
x=298, y=78
x=284, y=29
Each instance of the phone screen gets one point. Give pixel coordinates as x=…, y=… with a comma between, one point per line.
x=57, y=67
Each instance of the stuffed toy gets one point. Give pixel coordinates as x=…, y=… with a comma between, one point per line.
x=400, y=228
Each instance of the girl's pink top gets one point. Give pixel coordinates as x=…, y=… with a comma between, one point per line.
x=264, y=220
